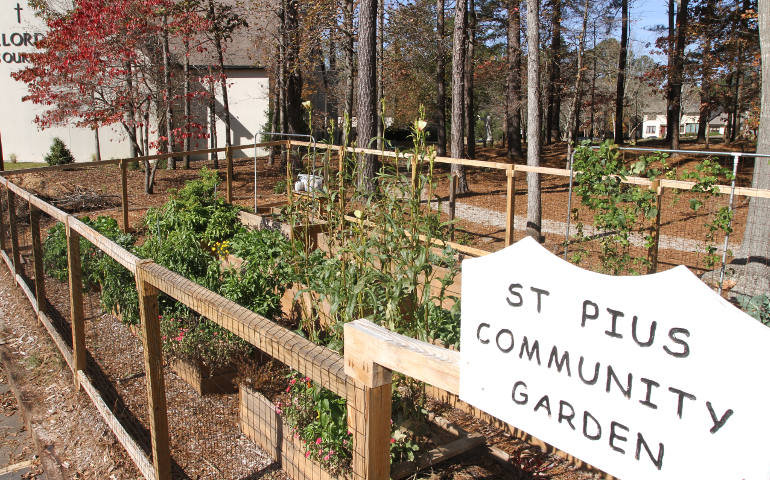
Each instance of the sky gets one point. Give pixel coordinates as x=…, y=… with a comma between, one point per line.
x=646, y=14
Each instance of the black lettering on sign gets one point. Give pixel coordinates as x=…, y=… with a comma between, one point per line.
x=681, y=394
x=502, y=332
x=544, y=402
x=560, y=363
x=478, y=333
x=672, y=334
x=589, y=316
x=583, y=378
x=614, y=332
x=614, y=436
x=534, y=352
x=656, y=460
x=720, y=422
x=597, y=426
x=539, y=292
x=523, y=397
x=512, y=288
x=566, y=417
x=612, y=376
x=647, y=402
x=634, y=334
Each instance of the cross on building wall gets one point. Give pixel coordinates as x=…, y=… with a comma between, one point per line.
x=18, y=12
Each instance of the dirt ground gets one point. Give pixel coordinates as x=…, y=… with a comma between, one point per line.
x=206, y=442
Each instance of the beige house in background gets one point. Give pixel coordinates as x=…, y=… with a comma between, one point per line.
x=655, y=125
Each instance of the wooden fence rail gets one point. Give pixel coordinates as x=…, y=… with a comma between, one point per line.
x=322, y=365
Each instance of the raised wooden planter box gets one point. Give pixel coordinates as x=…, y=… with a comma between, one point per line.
x=260, y=422
x=309, y=234
x=204, y=379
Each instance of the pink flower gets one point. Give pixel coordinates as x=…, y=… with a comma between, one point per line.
x=288, y=389
x=296, y=436
x=326, y=458
x=307, y=454
x=318, y=441
x=278, y=410
x=392, y=440
x=331, y=452
x=293, y=381
x=350, y=433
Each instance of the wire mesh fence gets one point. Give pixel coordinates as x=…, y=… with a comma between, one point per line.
x=206, y=437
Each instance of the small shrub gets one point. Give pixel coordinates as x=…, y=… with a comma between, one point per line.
x=59, y=153
x=13, y=158
x=279, y=187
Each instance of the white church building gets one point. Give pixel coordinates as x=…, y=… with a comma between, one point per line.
x=24, y=141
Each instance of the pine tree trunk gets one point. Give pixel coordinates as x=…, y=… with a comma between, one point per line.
x=513, y=110
x=440, y=80
x=534, y=210
x=349, y=67
x=380, y=62
x=223, y=78
x=620, y=91
x=458, y=89
x=677, y=74
x=470, y=110
x=366, y=112
x=171, y=161
x=755, y=248
x=554, y=100
x=293, y=71
x=593, y=88
x=670, y=68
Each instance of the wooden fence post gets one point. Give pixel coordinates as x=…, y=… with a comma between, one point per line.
x=369, y=410
x=510, y=204
x=37, y=257
x=452, y=203
x=229, y=175
x=14, y=232
x=3, y=247
x=153, y=366
x=652, y=254
x=124, y=193
x=289, y=181
x=76, y=302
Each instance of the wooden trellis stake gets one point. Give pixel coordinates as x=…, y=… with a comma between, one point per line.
x=14, y=233
x=452, y=203
x=153, y=366
x=229, y=170
x=37, y=257
x=510, y=204
x=653, y=252
x=76, y=302
x=124, y=193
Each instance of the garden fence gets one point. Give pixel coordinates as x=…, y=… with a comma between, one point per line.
x=363, y=380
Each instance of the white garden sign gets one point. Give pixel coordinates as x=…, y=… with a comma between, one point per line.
x=645, y=377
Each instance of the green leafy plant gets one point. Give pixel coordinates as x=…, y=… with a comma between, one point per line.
x=187, y=335
x=618, y=208
x=757, y=306
x=59, y=153
x=318, y=418
x=706, y=177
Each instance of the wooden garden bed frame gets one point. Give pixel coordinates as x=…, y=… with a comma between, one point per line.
x=371, y=353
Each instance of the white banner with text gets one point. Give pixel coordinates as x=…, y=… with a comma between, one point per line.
x=646, y=377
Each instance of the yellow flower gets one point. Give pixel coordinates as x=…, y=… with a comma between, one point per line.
x=358, y=214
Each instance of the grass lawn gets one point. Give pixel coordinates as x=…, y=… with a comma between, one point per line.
x=19, y=165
